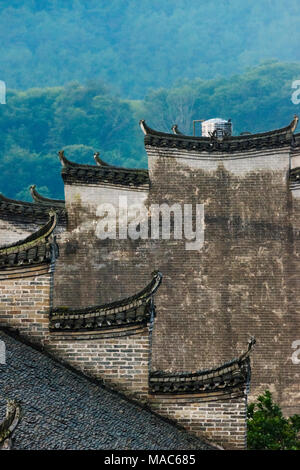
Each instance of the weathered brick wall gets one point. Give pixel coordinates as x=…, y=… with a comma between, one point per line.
x=14, y=230
x=239, y=284
x=119, y=357
x=222, y=422
x=91, y=271
x=14, y=226
x=25, y=301
x=243, y=281
x=121, y=360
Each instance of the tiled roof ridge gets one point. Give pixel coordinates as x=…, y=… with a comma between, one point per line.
x=36, y=238
x=230, y=376
x=30, y=210
x=101, y=173
x=114, y=391
x=100, y=164
x=149, y=131
x=38, y=198
x=134, y=309
x=270, y=139
x=243, y=356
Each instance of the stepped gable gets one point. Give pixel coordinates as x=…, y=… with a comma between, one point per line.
x=102, y=173
x=77, y=413
x=242, y=143
x=230, y=377
x=135, y=310
x=31, y=212
x=37, y=248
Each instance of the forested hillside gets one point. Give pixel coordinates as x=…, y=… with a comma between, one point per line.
x=139, y=44
x=36, y=123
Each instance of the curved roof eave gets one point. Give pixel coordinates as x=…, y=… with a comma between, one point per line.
x=73, y=319
x=149, y=131
x=102, y=173
x=38, y=198
x=235, y=373
x=36, y=238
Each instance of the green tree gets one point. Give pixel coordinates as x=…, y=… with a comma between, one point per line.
x=269, y=429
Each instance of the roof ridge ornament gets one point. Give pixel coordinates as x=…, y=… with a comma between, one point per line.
x=99, y=160
x=38, y=198
x=294, y=123
x=64, y=161
x=175, y=130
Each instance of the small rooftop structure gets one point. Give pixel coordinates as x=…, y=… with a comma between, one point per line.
x=216, y=127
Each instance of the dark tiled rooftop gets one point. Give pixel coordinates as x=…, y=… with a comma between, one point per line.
x=241, y=143
x=63, y=410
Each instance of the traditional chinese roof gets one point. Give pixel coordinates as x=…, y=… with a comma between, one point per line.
x=30, y=212
x=9, y=424
x=229, y=377
x=134, y=310
x=242, y=143
x=101, y=173
x=39, y=199
x=37, y=248
x=62, y=409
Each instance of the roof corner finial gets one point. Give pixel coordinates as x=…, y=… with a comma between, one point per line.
x=62, y=158
x=174, y=128
x=251, y=343
x=97, y=158
x=32, y=190
x=99, y=161
x=143, y=126
x=294, y=122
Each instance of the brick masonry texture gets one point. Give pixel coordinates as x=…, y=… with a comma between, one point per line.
x=118, y=358
x=63, y=410
x=25, y=303
x=221, y=422
x=121, y=361
x=243, y=282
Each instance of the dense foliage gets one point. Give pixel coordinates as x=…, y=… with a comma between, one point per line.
x=36, y=123
x=135, y=45
x=268, y=429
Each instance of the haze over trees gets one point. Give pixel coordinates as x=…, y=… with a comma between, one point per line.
x=80, y=75
x=135, y=45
